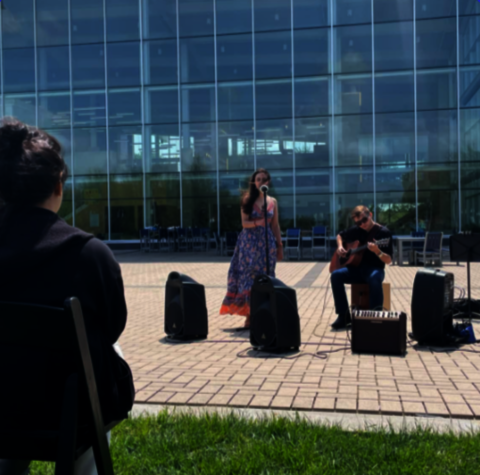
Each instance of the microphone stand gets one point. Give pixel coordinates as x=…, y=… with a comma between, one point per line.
x=264, y=190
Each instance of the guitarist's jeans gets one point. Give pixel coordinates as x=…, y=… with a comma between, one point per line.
x=357, y=275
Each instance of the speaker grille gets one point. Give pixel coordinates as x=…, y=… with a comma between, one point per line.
x=174, y=317
x=263, y=326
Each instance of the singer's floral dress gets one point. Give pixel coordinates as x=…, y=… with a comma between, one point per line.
x=248, y=261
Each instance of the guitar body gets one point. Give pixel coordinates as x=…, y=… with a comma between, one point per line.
x=351, y=259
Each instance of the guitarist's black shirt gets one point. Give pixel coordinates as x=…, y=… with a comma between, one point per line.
x=378, y=231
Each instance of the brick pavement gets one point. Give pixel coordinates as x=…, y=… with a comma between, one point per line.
x=210, y=373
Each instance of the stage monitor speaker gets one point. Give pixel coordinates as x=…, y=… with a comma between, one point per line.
x=274, y=322
x=432, y=301
x=186, y=315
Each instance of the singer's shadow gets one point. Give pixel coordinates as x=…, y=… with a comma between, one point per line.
x=172, y=341
x=240, y=332
x=264, y=354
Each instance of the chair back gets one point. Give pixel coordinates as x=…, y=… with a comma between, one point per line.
x=433, y=242
x=319, y=231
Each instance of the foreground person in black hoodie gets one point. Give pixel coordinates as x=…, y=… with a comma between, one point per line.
x=43, y=261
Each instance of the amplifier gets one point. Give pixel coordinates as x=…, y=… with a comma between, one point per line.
x=378, y=332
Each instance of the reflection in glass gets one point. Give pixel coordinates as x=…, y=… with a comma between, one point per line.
x=394, y=92
x=126, y=187
x=310, y=13
x=313, y=209
x=468, y=8
x=353, y=94
x=353, y=140
x=89, y=109
x=353, y=49
x=436, y=8
x=437, y=176
x=236, y=145
x=159, y=19
x=198, y=103
x=87, y=21
x=161, y=64
x=231, y=187
x=122, y=20
x=124, y=106
x=393, y=37
x=21, y=106
x=469, y=86
x=234, y=57
x=88, y=66
x=89, y=151
x=162, y=149
x=436, y=89
x=54, y=110
x=126, y=217
x=91, y=187
x=344, y=203
x=274, y=145
x=436, y=43
x=394, y=177
x=311, y=97
x=197, y=60
x=161, y=105
x=314, y=181
x=196, y=17
x=52, y=22
x=66, y=211
x=126, y=149
x=273, y=55
x=272, y=15
x=470, y=196
x=53, y=68
x=91, y=216
x=199, y=200
x=347, y=12
x=163, y=212
x=397, y=211
x=437, y=136
x=65, y=139
x=234, y=16
x=470, y=135
x=235, y=101
x=123, y=64
x=438, y=210
x=468, y=39
x=19, y=70
x=354, y=179
x=395, y=139
x=311, y=52
x=163, y=185
x=17, y=24
x=198, y=147
x=312, y=143
x=392, y=10
x=274, y=99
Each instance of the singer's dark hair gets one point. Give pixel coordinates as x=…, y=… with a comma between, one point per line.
x=250, y=196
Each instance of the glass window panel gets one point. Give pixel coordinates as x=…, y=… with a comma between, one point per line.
x=126, y=215
x=397, y=210
x=437, y=136
x=353, y=94
x=353, y=140
x=470, y=135
x=274, y=145
x=311, y=97
x=353, y=49
x=347, y=12
x=235, y=101
x=199, y=185
x=234, y=16
x=393, y=46
x=273, y=55
x=21, y=106
x=198, y=104
x=89, y=152
x=274, y=99
x=163, y=212
x=159, y=19
x=91, y=216
x=231, y=184
x=91, y=187
x=65, y=139
x=122, y=20
x=313, y=209
x=17, y=24
x=392, y=10
x=53, y=68
x=161, y=105
x=163, y=185
x=344, y=203
x=435, y=8
x=161, y=62
x=311, y=52
x=87, y=21
x=234, y=57
x=438, y=211
x=198, y=147
x=395, y=139
x=272, y=15
x=66, y=210
x=354, y=179
x=124, y=107
x=395, y=178
x=196, y=17
x=285, y=209
x=470, y=196
x=123, y=64
x=126, y=187
x=89, y=109
x=466, y=7
x=468, y=38
x=88, y=66
x=236, y=145
x=197, y=60
x=469, y=87
x=126, y=150
x=19, y=70
x=310, y=13
x=312, y=143
x=394, y=92
x=54, y=110
x=437, y=176
x=162, y=154
x=52, y=22
x=436, y=43
x=436, y=89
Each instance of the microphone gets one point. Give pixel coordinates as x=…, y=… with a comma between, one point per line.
x=264, y=189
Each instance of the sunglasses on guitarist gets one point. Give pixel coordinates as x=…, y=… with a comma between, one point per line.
x=362, y=221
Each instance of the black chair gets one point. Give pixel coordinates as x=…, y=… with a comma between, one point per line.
x=55, y=335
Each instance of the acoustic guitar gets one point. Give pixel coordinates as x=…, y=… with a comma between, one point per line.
x=354, y=254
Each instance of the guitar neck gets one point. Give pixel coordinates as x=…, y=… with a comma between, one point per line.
x=358, y=249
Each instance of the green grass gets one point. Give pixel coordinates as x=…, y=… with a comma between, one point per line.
x=210, y=444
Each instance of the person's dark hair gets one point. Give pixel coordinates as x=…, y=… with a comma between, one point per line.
x=251, y=195
x=31, y=164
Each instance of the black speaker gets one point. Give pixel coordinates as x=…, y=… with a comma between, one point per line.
x=186, y=315
x=274, y=320
x=432, y=301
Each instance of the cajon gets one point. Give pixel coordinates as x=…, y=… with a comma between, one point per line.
x=360, y=296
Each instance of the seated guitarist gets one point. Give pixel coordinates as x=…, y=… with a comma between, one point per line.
x=371, y=269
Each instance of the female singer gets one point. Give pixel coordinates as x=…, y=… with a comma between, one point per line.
x=249, y=259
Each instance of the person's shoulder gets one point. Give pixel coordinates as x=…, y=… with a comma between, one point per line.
x=384, y=230
x=97, y=252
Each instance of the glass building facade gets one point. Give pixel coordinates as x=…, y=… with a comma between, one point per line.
x=165, y=107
